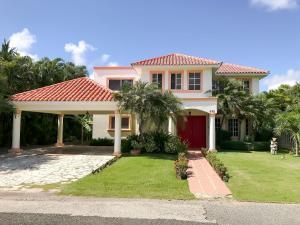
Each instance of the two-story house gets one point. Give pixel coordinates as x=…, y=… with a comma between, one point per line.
x=190, y=78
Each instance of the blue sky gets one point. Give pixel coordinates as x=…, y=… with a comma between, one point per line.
x=260, y=33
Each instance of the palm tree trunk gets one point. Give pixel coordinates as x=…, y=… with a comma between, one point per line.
x=297, y=148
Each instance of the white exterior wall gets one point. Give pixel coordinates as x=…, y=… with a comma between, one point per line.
x=255, y=86
x=100, y=126
x=101, y=75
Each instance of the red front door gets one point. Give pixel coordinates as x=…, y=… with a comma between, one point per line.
x=193, y=131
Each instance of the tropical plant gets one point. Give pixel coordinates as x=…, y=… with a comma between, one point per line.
x=151, y=107
x=85, y=122
x=21, y=73
x=289, y=122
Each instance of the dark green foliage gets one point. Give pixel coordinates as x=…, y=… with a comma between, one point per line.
x=126, y=144
x=156, y=141
x=102, y=142
x=221, y=136
x=20, y=73
x=218, y=165
x=234, y=145
x=264, y=135
x=261, y=146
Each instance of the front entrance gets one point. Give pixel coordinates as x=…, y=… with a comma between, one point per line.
x=193, y=131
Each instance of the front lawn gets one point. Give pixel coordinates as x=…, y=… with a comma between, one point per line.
x=260, y=176
x=145, y=176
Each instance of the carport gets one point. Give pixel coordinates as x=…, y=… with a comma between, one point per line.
x=74, y=97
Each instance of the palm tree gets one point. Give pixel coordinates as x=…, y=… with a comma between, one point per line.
x=231, y=97
x=289, y=122
x=148, y=103
x=7, y=53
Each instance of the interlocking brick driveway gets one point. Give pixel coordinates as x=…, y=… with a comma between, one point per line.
x=51, y=166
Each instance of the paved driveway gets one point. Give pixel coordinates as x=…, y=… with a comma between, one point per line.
x=51, y=165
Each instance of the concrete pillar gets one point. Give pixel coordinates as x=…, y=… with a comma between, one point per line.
x=60, y=131
x=16, y=133
x=243, y=130
x=171, y=126
x=212, y=132
x=117, y=141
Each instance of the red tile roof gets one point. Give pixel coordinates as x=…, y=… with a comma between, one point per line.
x=228, y=69
x=80, y=89
x=175, y=59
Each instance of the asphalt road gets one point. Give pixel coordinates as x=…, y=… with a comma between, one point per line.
x=54, y=219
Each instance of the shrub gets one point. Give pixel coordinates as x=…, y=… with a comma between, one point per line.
x=218, y=166
x=126, y=144
x=221, y=136
x=157, y=141
x=102, y=142
x=234, y=145
x=261, y=146
x=181, y=166
x=264, y=135
x=175, y=145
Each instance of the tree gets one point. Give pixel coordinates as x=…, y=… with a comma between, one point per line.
x=289, y=122
x=21, y=73
x=151, y=107
x=231, y=99
x=85, y=122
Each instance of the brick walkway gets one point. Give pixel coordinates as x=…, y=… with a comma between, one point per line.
x=203, y=181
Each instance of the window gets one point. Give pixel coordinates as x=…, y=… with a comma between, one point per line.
x=246, y=85
x=125, y=123
x=247, y=127
x=233, y=127
x=218, y=123
x=157, y=79
x=176, y=81
x=116, y=85
x=194, y=81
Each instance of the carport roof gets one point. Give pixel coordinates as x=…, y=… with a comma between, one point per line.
x=80, y=89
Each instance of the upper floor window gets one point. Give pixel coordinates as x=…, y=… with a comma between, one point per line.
x=233, y=127
x=176, y=81
x=157, y=79
x=218, y=123
x=194, y=81
x=246, y=85
x=125, y=123
x=116, y=85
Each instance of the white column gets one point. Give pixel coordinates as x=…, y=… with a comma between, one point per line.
x=171, y=126
x=212, y=132
x=243, y=130
x=16, y=132
x=60, y=131
x=117, y=141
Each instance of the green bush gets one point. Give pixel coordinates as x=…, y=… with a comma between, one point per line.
x=126, y=144
x=221, y=136
x=261, y=146
x=102, y=142
x=264, y=135
x=158, y=141
x=234, y=145
x=218, y=166
x=175, y=145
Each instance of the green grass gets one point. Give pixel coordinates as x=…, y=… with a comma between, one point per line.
x=262, y=177
x=145, y=176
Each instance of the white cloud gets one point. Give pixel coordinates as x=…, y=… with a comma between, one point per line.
x=273, y=5
x=23, y=42
x=104, y=58
x=113, y=64
x=78, y=51
x=291, y=77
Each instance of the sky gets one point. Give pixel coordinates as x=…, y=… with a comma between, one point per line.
x=259, y=33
